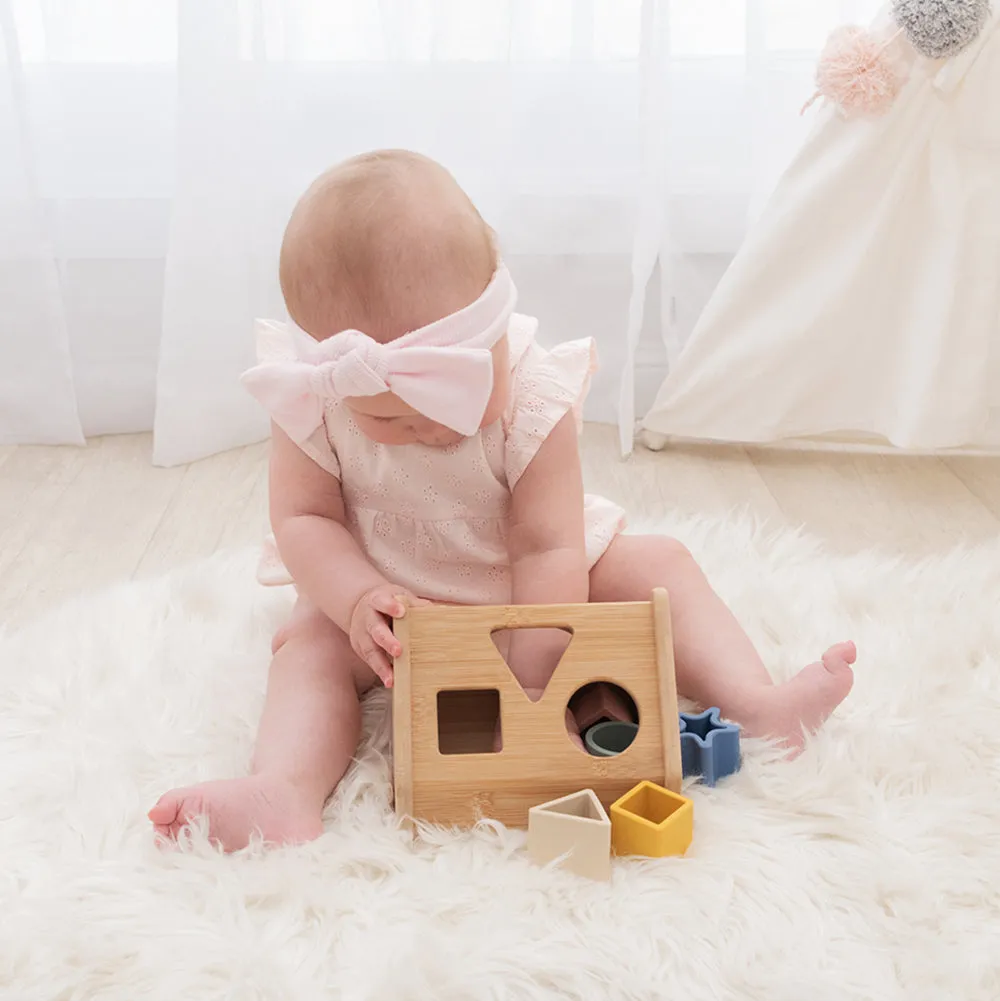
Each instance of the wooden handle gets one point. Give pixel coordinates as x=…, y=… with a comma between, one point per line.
x=494, y=617
x=402, y=722
x=670, y=721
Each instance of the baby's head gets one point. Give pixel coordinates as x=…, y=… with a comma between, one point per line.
x=387, y=243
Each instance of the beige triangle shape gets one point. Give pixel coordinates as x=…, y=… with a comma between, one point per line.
x=582, y=805
x=575, y=830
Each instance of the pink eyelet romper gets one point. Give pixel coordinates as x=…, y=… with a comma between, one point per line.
x=434, y=520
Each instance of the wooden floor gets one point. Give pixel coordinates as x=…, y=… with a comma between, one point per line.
x=76, y=518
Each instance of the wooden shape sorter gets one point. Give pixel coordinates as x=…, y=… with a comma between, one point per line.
x=452, y=687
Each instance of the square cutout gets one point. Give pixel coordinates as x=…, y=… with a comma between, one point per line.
x=468, y=721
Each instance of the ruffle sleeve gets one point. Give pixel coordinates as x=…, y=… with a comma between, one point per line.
x=547, y=386
x=276, y=343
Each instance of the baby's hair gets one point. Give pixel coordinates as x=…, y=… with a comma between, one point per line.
x=385, y=242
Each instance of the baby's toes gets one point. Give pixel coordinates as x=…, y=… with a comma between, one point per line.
x=172, y=811
x=840, y=656
x=166, y=809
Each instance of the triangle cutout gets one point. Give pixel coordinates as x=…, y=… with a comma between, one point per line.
x=554, y=642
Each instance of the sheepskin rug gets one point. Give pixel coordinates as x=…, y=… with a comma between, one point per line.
x=868, y=868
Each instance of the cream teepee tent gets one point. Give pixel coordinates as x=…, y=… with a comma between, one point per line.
x=864, y=305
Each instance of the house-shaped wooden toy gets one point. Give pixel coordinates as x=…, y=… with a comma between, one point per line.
x=452, y=690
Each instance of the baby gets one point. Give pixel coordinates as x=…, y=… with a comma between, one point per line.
x=424, y=448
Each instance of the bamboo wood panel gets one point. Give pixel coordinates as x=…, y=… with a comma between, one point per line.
x=450, y=649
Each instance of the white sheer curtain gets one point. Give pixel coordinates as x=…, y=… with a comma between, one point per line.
x=37, y=400
x=153, y=148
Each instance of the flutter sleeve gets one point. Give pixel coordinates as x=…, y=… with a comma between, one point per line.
x=547, y=386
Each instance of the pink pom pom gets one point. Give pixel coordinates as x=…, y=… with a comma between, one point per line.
x=858, y=72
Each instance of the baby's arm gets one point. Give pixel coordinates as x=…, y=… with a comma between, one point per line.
x=328, y=566
x=546, y=544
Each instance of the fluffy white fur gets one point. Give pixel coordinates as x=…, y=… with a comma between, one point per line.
x=869, y=868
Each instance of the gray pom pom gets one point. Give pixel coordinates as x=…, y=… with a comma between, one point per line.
x=940, y=28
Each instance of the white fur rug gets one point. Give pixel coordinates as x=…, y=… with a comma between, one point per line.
x=869, y=868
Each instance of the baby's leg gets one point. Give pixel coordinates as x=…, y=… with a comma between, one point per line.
x=308, y=734
x=716, y=663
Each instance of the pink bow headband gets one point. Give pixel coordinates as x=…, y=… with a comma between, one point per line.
x=444, y=370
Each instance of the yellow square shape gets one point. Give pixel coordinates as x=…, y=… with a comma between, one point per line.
x=653, y=821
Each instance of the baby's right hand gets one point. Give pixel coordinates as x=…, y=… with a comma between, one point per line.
x=371, y=632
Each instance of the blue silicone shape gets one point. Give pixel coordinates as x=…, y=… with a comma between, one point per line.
x=709, y=747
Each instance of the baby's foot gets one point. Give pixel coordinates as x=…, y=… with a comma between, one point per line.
x=801, y=705
x=267, y=805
